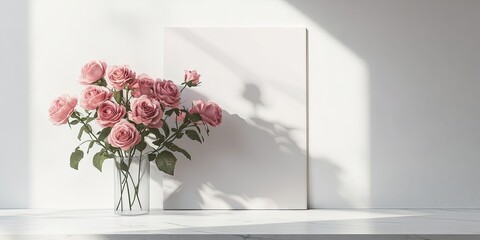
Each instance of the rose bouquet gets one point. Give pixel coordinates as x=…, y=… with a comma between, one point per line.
x=138, y=119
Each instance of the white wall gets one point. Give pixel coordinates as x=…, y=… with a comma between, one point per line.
x=394, y=87
x=14, y=98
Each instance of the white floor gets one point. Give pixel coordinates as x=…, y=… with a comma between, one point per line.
x=268, y=224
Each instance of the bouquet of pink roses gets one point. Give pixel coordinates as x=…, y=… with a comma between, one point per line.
x=130, y=109
x=133, y=114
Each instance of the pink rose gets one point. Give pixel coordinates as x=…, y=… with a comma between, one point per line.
x=93, y=96
x=167, y=93
x=147, y=111
x=61, y=109
x=121, y=76
x=143, y=86
x=193, y=77
x=210, y=112
x=92, y=72
x=124, y=135
x=110, y=113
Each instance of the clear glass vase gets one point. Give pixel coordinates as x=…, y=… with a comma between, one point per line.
x=132, y=185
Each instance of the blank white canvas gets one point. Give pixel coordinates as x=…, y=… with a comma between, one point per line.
x=257, y=158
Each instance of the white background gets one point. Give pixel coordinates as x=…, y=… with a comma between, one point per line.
x=394, y=92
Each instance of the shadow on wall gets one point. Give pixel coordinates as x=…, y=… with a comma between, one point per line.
x=236, y=137
x=248, y=145
x=423, y=59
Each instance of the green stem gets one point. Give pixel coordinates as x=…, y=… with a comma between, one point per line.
x=184, y=86
x=122, y=188
x=138, y=179
x=136, y=187
x=129, y=199
x=84, y=142
x=171, y=137
x=126, y=181
x=122, y=184
x=92, y=136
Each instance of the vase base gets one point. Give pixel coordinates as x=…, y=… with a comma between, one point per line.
x=129, y=213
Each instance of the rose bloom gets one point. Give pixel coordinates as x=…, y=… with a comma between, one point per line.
x=61, y=109
x=110, y=113
x=121, y=76
x=124, y=135
x=192, y=76
x=143, y=86
x=92, y=72
x=210, y=112
x=166, y=92
x=147, y=111
x=93, y=96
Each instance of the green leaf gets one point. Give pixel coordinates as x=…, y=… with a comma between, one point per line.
x=74, y=122
x=88, y=128
x=118, y=96
x=179, y=135
x=101, y=82
x=194, y=117
x=155, y=131
x=99, y=158
x=176, y=148
x=139, y=126
x=170, y=111
x=165, y=128
x=144, y=133
x=84, y=128
x=89, y=119
x=109, y=146
x=141, y=146
x=165, y=162
x=199, y=132
x=122, y=165
x=90, y=145
x=158, y=142
x=75, y=158
x=192, y=134
x=151, y=156
x=104, y=133
x=80, y=132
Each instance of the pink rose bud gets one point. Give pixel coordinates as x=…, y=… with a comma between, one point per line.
x=181, y=117
x=124, y=135
x=92, y=72
x=147, y=111
x=120, y=77
x=167, y=93
x=193, y=77
x=93, y=96
x=61, y=109
x=143, y=86
x=210, y=112
x=110, y=113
